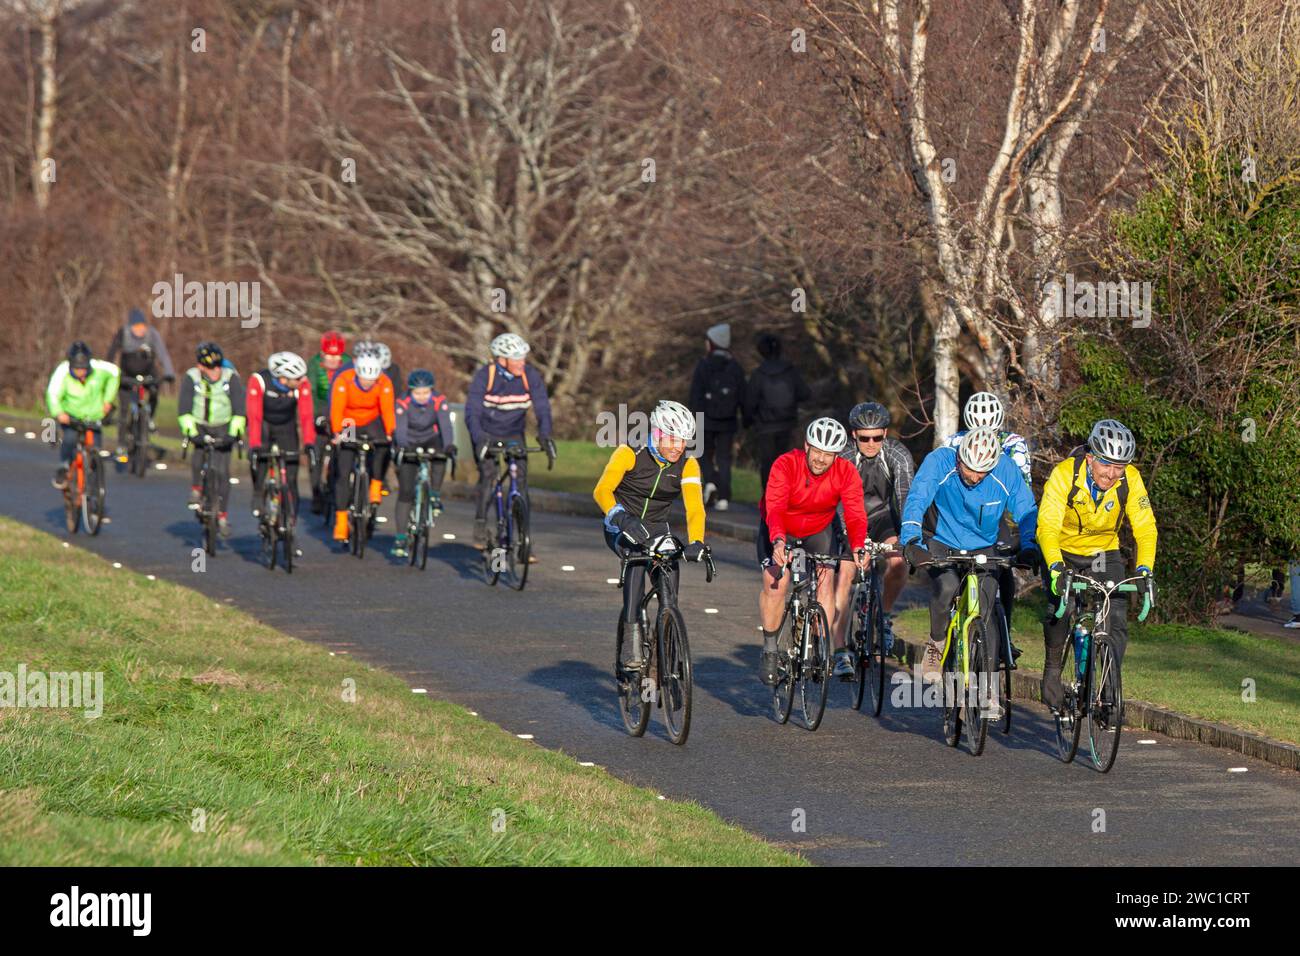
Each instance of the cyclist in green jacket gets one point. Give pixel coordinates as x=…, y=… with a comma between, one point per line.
x=321, y=369
x=82, y=387
x=211, y=403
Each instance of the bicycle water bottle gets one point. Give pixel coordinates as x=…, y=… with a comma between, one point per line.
x=1081, y=639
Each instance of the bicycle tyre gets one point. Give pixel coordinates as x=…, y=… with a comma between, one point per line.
x=92, y=500
x=786, y=673
x=1105, y=706
x=71, y=506
x=632, y=706
x=1068, y=722
x=859, y=642
x=977, y=725
x=878, y=653
x=815, y=670
x=675, y=675
x=520, y=545
x=952, y=708
x=138, y=457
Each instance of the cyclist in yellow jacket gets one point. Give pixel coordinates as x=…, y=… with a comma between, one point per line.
x=1085, y=500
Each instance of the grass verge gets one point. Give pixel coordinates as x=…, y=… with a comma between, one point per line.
x=208, y=712
x=1196, y=671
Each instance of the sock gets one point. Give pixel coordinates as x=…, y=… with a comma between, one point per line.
x=769, y=641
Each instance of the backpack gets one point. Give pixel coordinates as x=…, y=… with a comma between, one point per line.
x=778, y=398
x=1121, y=489
x=722, y=394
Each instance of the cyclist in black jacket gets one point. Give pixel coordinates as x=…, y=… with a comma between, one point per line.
x=423, y=421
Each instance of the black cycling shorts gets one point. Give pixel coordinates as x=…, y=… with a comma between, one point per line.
x=826, y=541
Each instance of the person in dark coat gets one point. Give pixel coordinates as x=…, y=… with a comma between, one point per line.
x=718, y=390
x=772, y=398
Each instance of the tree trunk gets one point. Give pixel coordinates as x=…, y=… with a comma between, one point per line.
x=49, y=103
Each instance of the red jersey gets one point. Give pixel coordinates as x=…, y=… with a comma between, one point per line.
x=797, y=503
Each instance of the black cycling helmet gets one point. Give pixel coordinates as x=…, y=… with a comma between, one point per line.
x=136, y=317
x=869, y=415
x=79, y=355
x=769, y=346
x=420, y=378
x=209, y=354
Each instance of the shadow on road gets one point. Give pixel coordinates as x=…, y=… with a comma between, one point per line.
x=584, y=686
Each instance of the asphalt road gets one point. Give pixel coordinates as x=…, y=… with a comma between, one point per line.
x=869, y=791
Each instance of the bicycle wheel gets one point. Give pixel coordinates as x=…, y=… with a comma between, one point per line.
x=1003, y=636
x=138, y=458
x=976, y=688
x=71, y=507
x=1105, y=706
x=787, y=669
x=493, y=565
x=520, y=543
x=877, y=653
x=413, y=526
x=952, y=694
x=266, y=526
x=92, y=499
x=815, y=672
x=675, y=680
x=858, y=642
x=633, y=705
x=1068, y=721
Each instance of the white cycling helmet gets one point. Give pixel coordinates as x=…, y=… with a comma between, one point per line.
x=827, y=434
x=980, y=448
x=673, y=418
x=368, y=365
x=508, y=345
x=983, y=409
x=385, y=354
x=1112, y=442
x=287, y=365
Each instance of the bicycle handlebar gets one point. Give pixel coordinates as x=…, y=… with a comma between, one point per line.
x=500, y=450
x=649, y=557
x=216, y=444
x=1089, y=583
x=84, y=425
x=420, y=453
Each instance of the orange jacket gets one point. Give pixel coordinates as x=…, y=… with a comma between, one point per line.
x=348, y=401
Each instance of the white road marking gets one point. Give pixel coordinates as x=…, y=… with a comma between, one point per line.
x=710, y=610
x=566, y=567
x=418, y=690
x=1146, y=741
x=585, y=763
x=611, y=580
x=29, y=435
x=524, y=736
x=473, y=713
x=1238, y=769
x=448, y=537
x=234, y=481
x=151, y=577
x=9, y=429
x=117, y=564
x=160, y=465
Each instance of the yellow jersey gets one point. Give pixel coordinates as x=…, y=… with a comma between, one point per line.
x=1082, y=527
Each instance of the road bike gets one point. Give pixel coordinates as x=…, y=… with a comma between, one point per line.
x=277, y=506
x=423, y=508
x=968, y=684
x=362, y=512
x=84, y=491
x=803, y=655
x=664, y=677
x=1094, y=692
x=867, y=629
x=208, y=509
x=140, y=427
x=508, y=555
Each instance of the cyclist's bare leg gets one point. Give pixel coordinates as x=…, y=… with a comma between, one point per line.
x=771, y=599
x=843, y=591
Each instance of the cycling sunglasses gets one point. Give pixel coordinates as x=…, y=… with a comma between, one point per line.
x=869, y=439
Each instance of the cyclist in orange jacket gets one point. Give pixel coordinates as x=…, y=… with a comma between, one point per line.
x=361, y=406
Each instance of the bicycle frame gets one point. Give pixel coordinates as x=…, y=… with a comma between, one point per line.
x=966, y=609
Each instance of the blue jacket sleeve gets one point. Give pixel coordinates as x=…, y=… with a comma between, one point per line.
x=474, y=405
x=541, y=401
x=1023, y=507
x=921, y=494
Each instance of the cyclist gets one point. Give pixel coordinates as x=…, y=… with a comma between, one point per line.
x=1086, y=498
x=423, y=421
x=394, y=374
x=804, y=489
x=635, y=492
x=141, y=349
x=361, y=397
x=81, y=387
x=279, y=412
x=496, y=408
x=322, y=368
x=970, y=487
x=885, y=466
x=985, y=409
x=212, y=404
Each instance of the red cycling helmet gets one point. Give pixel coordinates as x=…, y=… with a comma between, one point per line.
x=331, y=343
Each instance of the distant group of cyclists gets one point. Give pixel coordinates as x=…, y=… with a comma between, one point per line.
x=841, y=489
x=301, y=405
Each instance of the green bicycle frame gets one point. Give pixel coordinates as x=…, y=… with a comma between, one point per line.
x=966, y=613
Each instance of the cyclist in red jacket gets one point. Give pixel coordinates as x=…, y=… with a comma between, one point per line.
x=804, y=488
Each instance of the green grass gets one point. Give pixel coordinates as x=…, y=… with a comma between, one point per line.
x=207, y=709
x=1197, y=671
